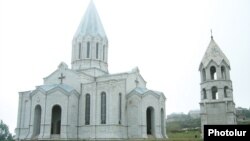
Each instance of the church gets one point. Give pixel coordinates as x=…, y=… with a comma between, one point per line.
x=86, y=102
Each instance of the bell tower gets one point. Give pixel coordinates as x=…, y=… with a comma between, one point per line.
x=217, y=105
x=90, y=45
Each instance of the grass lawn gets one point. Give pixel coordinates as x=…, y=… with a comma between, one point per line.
x=184, y=136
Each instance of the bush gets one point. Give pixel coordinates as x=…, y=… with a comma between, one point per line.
x=5, y=135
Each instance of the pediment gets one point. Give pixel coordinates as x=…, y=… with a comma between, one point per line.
x=49, y=89
x=64, y=75
x=143, y=92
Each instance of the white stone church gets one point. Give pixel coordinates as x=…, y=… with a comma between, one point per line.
x=85, y=102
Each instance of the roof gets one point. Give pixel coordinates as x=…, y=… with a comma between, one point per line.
x=214, y=53
x=91, y=24
x=63, y=86
x=141, y=90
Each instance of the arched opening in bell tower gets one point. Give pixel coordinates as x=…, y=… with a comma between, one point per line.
x=204, y=93
x=215, y=94
x=223, y=72
x=213, y=73
x=203, y=75
x=226, y=91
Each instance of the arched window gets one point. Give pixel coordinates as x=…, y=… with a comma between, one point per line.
x=97, y=50
x=225, y=92
x=103, y=108
x=120, y=108
x=56, y=120
x=103, y=51
x=223, y=72
x=213, y=73
x=214, y=93
x=88, y=49
x=87, y=109
x=203, y=74
x=204, y=93
x=37, y=121
x=80, y=50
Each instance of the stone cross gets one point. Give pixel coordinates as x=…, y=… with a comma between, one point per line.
x=61, y=77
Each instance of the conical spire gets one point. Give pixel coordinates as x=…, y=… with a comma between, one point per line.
x=90, y=55
x=91, y=23
x=214, y=53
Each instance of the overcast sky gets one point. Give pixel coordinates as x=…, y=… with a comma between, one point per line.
x=166, y=39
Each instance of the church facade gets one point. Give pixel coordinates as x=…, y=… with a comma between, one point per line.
x=217, y=106
x=85, y=102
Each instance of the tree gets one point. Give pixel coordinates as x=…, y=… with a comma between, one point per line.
x=5, y=135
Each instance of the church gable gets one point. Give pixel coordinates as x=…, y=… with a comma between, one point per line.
x=143, y=92
x=49, y=89
x=132, y=79
x=223, y=63
x=63, y=75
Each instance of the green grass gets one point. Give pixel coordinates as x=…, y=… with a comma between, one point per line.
x=184, y=136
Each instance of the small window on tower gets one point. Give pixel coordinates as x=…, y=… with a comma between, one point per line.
x=97, y=50
x=103, y=52
x=88, y=49
x=80, y=50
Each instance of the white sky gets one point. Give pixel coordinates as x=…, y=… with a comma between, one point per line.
x=166, y=39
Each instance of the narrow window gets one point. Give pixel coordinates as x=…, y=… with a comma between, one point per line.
x=225, y=92
x=204, y=93
x=103, y=108
x=120, y=108
x=87, y=109
x=97, y=50
x=88, y=49
x=103, y=52
x=213, y=73
x=80, y=50
x=214, y=93
x=223, y=72
x=203, y=74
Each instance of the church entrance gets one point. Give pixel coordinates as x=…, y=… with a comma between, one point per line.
x=37, y=121
x=56, y=120
x=150, y=120
x=162, y=123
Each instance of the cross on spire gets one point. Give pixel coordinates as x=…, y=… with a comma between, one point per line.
x=211, y=33
x=61, y=77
